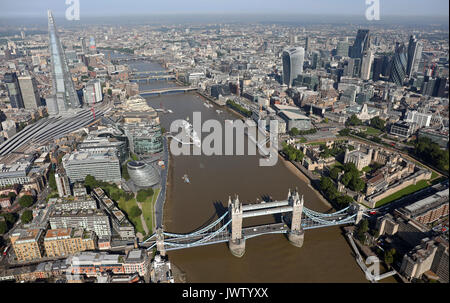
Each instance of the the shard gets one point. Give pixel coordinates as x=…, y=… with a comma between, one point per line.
x=64, y=98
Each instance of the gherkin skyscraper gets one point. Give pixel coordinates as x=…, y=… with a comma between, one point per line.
x=64, y=97
x=399, y=63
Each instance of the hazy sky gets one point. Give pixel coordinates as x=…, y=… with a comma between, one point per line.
x=326, y=7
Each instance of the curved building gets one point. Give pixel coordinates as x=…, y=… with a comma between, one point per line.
x=293, y=59
x=399, y=63
x=142, y=174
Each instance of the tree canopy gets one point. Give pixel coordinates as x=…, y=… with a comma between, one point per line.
x=135, y=211
x=378, y=123
x=27, y=216
x=26, y=201
x=353, y=121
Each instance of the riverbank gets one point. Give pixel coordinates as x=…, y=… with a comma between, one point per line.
x=292, y=168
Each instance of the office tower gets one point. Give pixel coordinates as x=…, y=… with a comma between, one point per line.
x=398, y=69
x=293, y=59
x=92, y=46
x=366, y=64
x=361, y=44
x=439, y=89
x=63, y=185
x=307, y=44
x=64, y=96
x=342, y=49
x=104, y=166
x=92, y=92
x=414, y=56
x=15, y=95
x=387, y=65
x=377, y=68
x=428, y=86
x=315, y=59
x=22, y=34
x=30, y=93
x=83, y=45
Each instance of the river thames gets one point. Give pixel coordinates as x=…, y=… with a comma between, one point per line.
x=325, y=256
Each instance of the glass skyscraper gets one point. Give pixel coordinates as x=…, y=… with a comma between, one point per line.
x=63, y=91
x=293, y=59
x=399, y=63
x=361, y=44
x=414, y=55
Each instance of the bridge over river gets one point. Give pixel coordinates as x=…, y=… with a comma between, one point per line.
x=228, y=227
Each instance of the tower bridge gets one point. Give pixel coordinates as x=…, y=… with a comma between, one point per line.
x=296, y=219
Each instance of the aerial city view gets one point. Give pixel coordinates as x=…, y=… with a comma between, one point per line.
x=224, y=141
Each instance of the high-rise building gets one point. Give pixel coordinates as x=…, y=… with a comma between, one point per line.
x=377, y=68
x=414, y=56
x=83, y=45
x=366, y=65
x=15, y=94
x=92, y=46
x=104, y=166
x=64, y=95
x=307, y=44
x=293, y=59
x=342, y=49
x=92, y=93
x=63, y=185
x=30, y=93
x=398, y=69
x=439, y=88
x=361, y=44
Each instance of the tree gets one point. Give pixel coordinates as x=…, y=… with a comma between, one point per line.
x=346, y=178
x=344, y=132
x=109, y=91
x=135, y=211
x=141, y=195
x=389, y=256
x=356, y=184
x=125, y=173
x=377, y=123
x=27, y=216
x=3, y=227
x=26, y=201
x=294, y=132
x=12, y=195
x=334, y=173
x=344, y=200
x=90, y=182
x=363, y=227
x=115, y=196
x=353, y=121
x=52, y=181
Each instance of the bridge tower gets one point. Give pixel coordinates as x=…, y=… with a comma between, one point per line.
x=296, y=233
x=236, y=242
x=359, y=210
x=160, y=242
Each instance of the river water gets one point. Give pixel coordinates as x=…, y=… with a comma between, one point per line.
x=325, y=256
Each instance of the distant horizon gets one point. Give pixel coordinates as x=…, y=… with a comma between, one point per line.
x=113, y=8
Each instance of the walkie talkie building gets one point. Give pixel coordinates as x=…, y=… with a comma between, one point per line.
x=64, y=96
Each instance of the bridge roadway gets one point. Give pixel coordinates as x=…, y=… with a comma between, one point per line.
x=152, y=78
x=167, y=90
x=214, y=237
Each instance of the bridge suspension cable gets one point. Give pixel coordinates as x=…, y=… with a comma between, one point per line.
x=317, y=214
x=200, y=231
x=206, y=238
